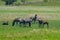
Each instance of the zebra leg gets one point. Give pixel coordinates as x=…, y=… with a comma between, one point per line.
x=13, y=23
x=19, y=23
x=43, y=25
x=29, y=24
x=47, y=25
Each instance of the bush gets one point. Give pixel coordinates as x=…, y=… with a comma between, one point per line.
x=23, y=1
x=9, y=2
x=45, y=0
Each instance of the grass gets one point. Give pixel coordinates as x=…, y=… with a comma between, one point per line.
x=34, y=33
x=8, y=32
x=30, y=9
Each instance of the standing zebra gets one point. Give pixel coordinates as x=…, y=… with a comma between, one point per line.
x=34, y=18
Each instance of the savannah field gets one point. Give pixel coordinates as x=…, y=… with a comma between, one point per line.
x=49, y=13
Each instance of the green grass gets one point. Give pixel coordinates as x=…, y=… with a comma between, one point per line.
x=26, y=33
x=9, y=32
x=30, y=9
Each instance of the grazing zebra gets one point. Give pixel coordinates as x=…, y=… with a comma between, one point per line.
x=22, y=21
x=17, y=21
x=42, y=23
x=28, y=21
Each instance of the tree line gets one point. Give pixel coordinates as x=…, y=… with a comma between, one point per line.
x=9, y=2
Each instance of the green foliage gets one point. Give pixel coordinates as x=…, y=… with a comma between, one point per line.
x=9, y=2
x=23, y=1
x=45, y=0
x=35, y=2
